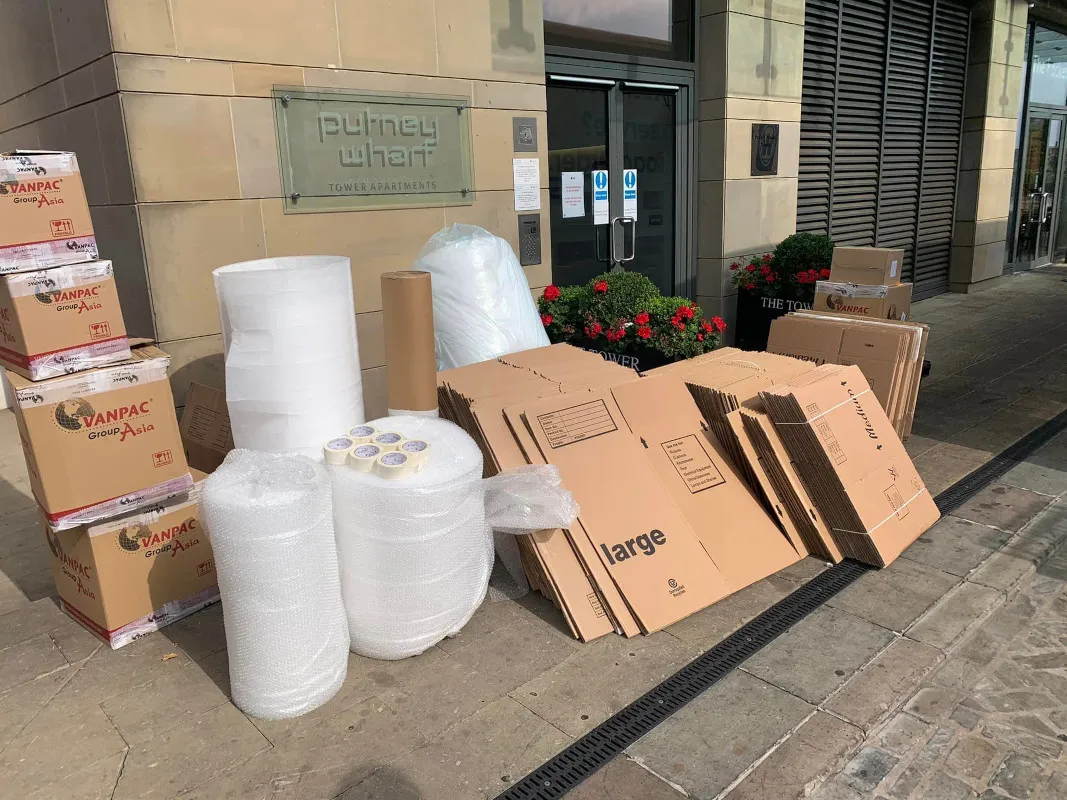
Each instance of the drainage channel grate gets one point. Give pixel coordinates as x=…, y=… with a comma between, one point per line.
x=968, y=486
x=594, y=750
x=572, y=766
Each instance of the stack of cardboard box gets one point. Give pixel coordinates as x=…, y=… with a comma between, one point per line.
x=96, y=418
x=865, y=281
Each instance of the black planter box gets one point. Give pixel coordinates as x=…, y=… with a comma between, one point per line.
x=636, y=356
x=756, y=312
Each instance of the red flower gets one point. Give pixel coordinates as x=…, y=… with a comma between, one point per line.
x=685, y=312
x=600, y=287
x=751, y=267
x=621, y=333
x=552, y=293
x=719, y=323
x=766, y=258
x=706, y=326
x=751, y=286
x=592, y=331
x=642, y=319
x=546, y=319
x=644, y=331
x=700, y=337
x=771, y=277
x=734, y=266
x=679, y=325
x=824, y=273
x=765, y=270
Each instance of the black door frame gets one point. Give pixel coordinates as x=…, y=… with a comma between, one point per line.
x=622, y=70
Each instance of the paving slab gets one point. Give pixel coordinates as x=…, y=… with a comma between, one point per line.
x=189, y=754
x=624, y=779
x=1002, y=506
x=708, y=744
x=955, y=546
x=907, y=776
x=20, y=705
x=959, y=611
x=479, y=758
x=902, y=734
x=872, y=692
x=943, y=465
x=894, y=597
x=710, y=626
x=1037, y=478
x=1018, y=559
x=868, y=768
x=809, y=754
x=602, y=678
x=819, y=654
x=94, y=782
x=29, y=659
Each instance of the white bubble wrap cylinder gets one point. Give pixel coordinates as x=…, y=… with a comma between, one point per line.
x=293, y=378
x=415, y=553
x=482, y=306
x=270, y=520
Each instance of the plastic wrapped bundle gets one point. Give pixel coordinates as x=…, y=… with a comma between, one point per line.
x=482, y=306
x=415, y=553
x=271, y=526
x=292, y=363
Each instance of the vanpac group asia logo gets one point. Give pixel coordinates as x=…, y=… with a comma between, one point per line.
x=78, y=414
x=71, y=415
x=140, y=538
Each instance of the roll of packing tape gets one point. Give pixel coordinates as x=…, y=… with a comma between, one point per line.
x=388, y=440
x=393, y=465
x=417, y=450
x=362, y=433
x=363, y=456
x=336, y=450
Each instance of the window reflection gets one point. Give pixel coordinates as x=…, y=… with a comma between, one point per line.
x=1048, y=68
x=658, y=28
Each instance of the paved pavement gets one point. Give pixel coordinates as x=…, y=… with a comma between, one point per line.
x=943, y=676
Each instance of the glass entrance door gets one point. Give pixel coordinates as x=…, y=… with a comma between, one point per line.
x=616, y=180
x=1040, y=190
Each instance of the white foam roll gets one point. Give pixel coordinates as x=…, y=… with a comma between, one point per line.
x=399, y=412
x=416, y=553
x=293, y=378
x=270, y=521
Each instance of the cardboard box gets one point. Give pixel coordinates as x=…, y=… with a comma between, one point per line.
x=205, y=427
x=853, y=463
x=44, y=216
x=875, y=302
x=62, y=320
x=131, y=575
x=103, y=441
x=867, y=266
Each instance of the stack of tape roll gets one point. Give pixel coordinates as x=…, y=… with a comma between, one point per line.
x=415, y=553
x=336, y=450
x=361, y=434
x=388, y=440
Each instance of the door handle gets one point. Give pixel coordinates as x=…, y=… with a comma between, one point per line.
x=1045, y=197
x=1036, y=201
x=633, y=239
x=596, y=238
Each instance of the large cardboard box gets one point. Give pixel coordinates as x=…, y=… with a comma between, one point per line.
x=874, y=302
x=103, y=441
x=44, y=216
x=867, y=266
x=134, y=574
x=205, y=427
x=62, y=320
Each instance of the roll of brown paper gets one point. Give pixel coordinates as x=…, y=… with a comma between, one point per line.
x=407, y=308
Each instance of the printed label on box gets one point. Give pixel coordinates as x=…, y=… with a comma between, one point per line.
x=693, y=463
x=576, y=424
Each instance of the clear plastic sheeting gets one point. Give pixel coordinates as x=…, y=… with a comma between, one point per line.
x=292, y=362
x=482, y=306
x=270, y=521
x=415, y=553
x=529, y=499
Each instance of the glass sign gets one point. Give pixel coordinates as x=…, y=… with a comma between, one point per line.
x=345, y=151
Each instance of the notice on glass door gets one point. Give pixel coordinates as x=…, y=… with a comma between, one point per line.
x=600, y=197
x=629, y=193
x=573, y=194
x=527, y=184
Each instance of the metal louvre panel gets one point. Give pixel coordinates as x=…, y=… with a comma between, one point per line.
x=881, y=120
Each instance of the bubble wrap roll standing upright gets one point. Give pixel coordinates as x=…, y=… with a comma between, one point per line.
x=292, y=362
x=271, y=526
x=415, y=553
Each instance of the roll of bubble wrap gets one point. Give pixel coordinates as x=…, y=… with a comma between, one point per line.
x=292, y=363
x=415, y=553
x=270, y=521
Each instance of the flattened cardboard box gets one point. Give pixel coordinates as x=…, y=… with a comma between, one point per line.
x=876, y=302
x=131, y=575
x=62, y=320
x=103, y=441
x=205, y=427
x=867, y=266
x=44, y=216
x=859, y=473
x=649, y=549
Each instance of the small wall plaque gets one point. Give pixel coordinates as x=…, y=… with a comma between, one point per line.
x=764, y=148
x=524, y=132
